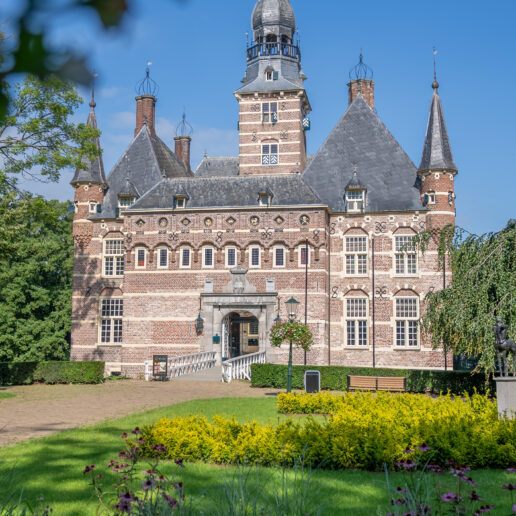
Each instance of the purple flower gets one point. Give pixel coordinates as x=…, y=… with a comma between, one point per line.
x=408, y=464
x=484, y=508
x=509, y=487
x=449, y=497
x=469, y=480
x=124, y=436
x=511, y=470
x=137, y=431
x=127, y=497
x=514, y=508
x=408, y=450
x=148, y=484
x=149, y=472
x=123, y=507
x=112, y=463
x=399, y=501
x=160, y=448
x=172, y=502
x=474, y=497
x=424, y=447
x=87, y=469
x=401, y=491
x=179, y=462
x=434, y=468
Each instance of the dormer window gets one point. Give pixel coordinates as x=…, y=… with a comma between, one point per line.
x=180, y=202
x=126, y=202
x=271, y=75
x=265, y=198
x=355, y=201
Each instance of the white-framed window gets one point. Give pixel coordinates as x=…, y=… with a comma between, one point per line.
x=126, y=202
x=113, y=258
x=270, y=111
x=185, y=257
x=208, y=257
x=279, y=257
x=270, y=154
x=430, y=198
x=180, y=202
x=111, y=321
x=231, y=257
x=93, y=207
x=264, y=199
x=304, y=256
x=405, y=255
x=141, y=257
x=269, y=75
x=355, y=201
x=356, y=255
x=163, y=258
x=407, y=322
x=356, y=322
x=254, y=256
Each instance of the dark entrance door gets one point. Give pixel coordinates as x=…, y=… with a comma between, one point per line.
x=243, y=334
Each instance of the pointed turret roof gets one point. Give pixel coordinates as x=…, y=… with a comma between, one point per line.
x=437, y=154
x=93, y=171
x=354, y=182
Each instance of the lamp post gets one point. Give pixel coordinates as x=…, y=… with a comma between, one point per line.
x=292, y=306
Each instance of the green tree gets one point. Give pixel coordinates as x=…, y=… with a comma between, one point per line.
x=38, y=138
x=483, y=287
x=36, y=263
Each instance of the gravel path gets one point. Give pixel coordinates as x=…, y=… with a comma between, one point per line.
x=39, y=410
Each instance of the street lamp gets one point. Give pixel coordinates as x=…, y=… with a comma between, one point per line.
x=292, y=306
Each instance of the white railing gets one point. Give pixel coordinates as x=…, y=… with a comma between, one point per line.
x=240, y=368
x=185, y=364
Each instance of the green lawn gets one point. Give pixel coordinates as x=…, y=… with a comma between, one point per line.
x=52, y=467
x=4, y=395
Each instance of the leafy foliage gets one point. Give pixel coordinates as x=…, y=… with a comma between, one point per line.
x=36, y=264
x=298, y=333
x=365, y=431
x=484, y=287
x=336, y=378
x=26, y=373
x=37, y=138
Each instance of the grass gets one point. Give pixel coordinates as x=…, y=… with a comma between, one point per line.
x=5, y=395
x=51, y=467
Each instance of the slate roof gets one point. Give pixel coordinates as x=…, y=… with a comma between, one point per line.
x=94, y=170
x=128, y=190
x=361, y=140
x=218, y=166
x=273, y=12
x=229, y=192
x=145, y=163
x=437, y=152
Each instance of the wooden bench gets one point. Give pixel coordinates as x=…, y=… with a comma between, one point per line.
x=377, y=383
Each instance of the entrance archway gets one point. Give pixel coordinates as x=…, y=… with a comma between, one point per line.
x=240, y=334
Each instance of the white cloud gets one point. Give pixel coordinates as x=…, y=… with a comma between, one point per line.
x=122, y=120
x=109, y=93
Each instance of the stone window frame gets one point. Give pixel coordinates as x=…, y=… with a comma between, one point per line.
x=251, y=266
x=137, y=256
x=275, y=249
x=92, y=206
x=357, y=254
x=213, y=251
x=407, y=318
x=116, y=319
x=117, y=258
x=226, y=253
x=267, y=114
x=271, y=156
x=181, y=257
x=353, y=203
x=405, y=255
x=159, y=256
x=356, y=319
x=300, y=250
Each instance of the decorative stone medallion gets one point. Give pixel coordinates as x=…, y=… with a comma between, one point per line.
x=230, y=220
x=140, y=223
x=279, y=220
x=254, y=220
x=304, y=220
x=185, y=222
x=208, y=222
x=163, y=223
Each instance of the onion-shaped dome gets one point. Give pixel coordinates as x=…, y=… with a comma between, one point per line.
x=361, y=70
x=273, y=12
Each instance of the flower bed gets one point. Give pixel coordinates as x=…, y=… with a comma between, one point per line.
x=364, y=431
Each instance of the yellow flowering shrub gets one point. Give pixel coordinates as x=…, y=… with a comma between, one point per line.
x=363, y=430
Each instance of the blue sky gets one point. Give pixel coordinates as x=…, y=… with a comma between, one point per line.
x=198, y=55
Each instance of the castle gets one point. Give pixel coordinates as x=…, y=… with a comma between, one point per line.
x=174, y=261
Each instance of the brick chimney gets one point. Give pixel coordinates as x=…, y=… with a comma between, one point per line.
x=146, y=113
x=182, y=149
x=363, y=86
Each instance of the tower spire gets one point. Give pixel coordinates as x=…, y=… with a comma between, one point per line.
x=437, y=153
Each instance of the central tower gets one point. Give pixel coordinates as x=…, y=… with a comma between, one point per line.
x=273, y=104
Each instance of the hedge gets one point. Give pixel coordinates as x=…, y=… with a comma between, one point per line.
x=335, y=378
x=365, y=430
x=25, y=373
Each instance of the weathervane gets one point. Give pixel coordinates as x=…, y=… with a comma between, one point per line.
x=92, y=101
x=435, y=84
x=147, y=86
